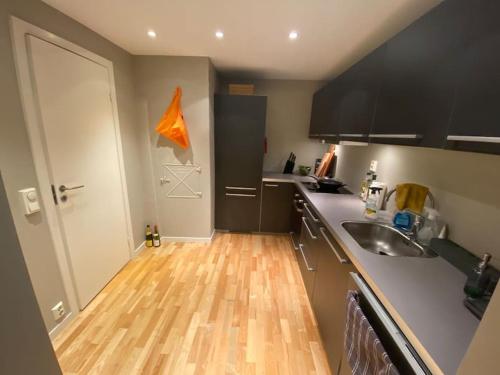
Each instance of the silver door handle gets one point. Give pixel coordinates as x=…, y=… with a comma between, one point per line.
x=315, y=219
x=309, y=268
x=308, y=229
x=241, y=195
x=399, y=136
x=239, y=188
x=63, y=188
x=334, y=249
x=466, y=138
x=271, y=185
x=352, y=135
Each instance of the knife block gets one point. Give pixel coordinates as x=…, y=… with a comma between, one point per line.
x=289, y=166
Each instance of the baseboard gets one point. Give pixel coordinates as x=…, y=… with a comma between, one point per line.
x=63, y=324
x=189, y=239
x=139, y=249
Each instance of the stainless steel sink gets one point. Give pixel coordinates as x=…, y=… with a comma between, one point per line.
x=385, y=240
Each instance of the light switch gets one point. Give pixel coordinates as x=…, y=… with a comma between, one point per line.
x=29, y=198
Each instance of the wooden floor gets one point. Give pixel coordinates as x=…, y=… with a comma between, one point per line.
x=237, y=306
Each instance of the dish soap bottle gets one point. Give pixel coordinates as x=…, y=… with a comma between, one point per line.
x=430, y=228
x=371, y=205
x=477, y=281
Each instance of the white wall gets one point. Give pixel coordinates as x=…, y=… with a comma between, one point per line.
x=287, y=121
x=16, y=160
x=156, y=79
x=466, y=186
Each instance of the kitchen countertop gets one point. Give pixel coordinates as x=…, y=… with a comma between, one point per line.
x=423, y=295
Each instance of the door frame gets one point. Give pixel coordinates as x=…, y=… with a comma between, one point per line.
x=29, y=100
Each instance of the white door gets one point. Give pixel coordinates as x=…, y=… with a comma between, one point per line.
x=76, y=113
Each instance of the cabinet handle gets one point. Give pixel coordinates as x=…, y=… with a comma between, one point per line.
x=297, y=207
x=297, y=195
x=304, y=220
x=314, y=218
x=271, y=185
x=334, y=249
x=309, y=268
x=241, y=195
x=467, y=138
x=353, y=135
x=400, y=136
x=327, y=135
x=239, y=188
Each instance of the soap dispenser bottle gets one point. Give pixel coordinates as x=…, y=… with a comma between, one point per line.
x=477, y=281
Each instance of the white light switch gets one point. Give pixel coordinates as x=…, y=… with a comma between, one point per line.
x=29, y=198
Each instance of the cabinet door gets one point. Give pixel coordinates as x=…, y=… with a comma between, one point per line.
x=359, y=91
x=277, y=201
x=239, y=152
x=475, y=123
x=416, y=95
x=324, y=113
x=329, y=298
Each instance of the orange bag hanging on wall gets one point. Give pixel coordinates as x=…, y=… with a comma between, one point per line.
x=172, y=125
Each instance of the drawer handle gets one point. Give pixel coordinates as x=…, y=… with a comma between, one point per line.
x=309, y=268
x=241, y=195
x=334, y=249
x=314, y=218
x=308, y=229
x=239, y=188
x=271, y=185
x=352, y=135
x=400, y=136
x=297, y=207
x=465, y=138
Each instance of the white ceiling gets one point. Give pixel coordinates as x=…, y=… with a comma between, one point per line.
x=333, y=34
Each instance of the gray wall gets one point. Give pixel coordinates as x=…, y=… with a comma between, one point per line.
x=156, y=79
x=287, y=123
x=465, y=186
x=16, y=159
x=25, y=347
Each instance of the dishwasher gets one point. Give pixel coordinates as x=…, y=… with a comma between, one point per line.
x=399, y=350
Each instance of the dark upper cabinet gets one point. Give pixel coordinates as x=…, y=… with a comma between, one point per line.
x=323, y=122
x=419, y=78
x=239, y=153
x=475, y=120
x=359, y=87
x=277, y=201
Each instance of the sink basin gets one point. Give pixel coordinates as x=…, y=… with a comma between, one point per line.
x=385, y=240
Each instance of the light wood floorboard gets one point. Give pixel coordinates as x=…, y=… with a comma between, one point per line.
x=236, y=306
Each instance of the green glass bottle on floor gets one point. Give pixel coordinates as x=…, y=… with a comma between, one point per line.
x=149, y=236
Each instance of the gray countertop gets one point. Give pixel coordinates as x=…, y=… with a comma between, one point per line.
x=423, y=295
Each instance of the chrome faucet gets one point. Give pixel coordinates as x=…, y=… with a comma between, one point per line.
x=418, y=223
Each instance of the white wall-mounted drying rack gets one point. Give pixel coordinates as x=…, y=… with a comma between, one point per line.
x=175, y=169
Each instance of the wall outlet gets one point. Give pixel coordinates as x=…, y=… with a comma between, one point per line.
x=58, y=311
x=373, y=165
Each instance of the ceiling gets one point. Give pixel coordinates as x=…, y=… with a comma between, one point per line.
x=333, y=34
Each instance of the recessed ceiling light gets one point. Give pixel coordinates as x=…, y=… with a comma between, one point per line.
x=293, y=35
x=151, y=34
x=219, y=34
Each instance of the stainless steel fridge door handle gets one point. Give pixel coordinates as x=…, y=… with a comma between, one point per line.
x=241, y=195
x=308, y=229
x=334, y=249
x=64, y=188
x=309, y=268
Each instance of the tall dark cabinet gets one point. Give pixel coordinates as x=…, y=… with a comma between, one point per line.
x=239, y=153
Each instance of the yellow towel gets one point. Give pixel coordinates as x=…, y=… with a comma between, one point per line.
x=411, y=197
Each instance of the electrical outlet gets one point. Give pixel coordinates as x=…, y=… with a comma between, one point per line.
x=58, y=311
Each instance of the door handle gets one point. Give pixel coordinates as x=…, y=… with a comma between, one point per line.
x=309, y=268
x=308, y=229
x=334, y=249
x=240, y=195
x=314, y=218
x=64, y=188
x=271, y=185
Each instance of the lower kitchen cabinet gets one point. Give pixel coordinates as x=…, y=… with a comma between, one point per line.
x=276, y=208
x=329, y=296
